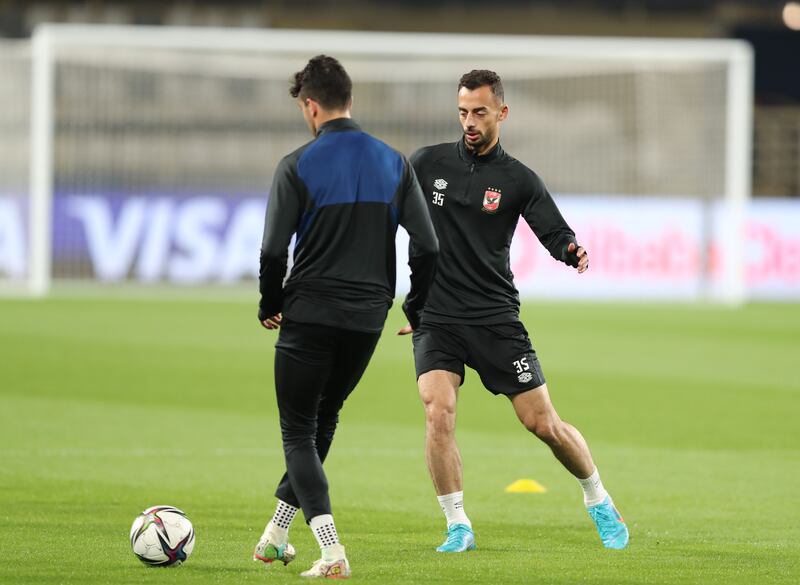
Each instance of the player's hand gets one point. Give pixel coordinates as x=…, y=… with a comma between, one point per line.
x=272, y=322
x=583, y=257
x=405, y=330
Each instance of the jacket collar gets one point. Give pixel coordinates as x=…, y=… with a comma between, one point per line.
x=471, y=157
x=337, y=125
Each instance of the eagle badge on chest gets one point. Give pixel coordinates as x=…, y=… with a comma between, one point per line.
x=491, y=200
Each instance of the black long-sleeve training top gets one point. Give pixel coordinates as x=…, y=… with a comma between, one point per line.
x=475, y=203
x=343, y=194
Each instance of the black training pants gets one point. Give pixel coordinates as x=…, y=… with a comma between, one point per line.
x=316, y=369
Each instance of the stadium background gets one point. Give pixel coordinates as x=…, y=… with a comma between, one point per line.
x=116, y=398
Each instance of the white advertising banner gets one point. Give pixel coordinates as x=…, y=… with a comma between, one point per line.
x=637, y=248
x=12, y=239
x=640, y=249
x=772, y=264
x=657, y=249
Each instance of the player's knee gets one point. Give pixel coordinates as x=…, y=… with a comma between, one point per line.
x=296, y=433
x=298, y=444
x=440, y=417
x=545, y=429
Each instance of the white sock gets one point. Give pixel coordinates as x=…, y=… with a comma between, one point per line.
x=278, y=528
x=325, y=532
x=593, y=490
x=453, y=508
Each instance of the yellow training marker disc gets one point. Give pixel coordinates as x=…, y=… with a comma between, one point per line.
x=526, y=486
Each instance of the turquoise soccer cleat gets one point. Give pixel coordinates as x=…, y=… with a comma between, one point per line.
x=460, y=538
x=610, y=524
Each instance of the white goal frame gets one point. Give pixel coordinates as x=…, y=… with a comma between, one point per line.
x=47, y=39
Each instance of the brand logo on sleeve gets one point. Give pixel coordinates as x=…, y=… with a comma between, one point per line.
x=491, y=200
x=440, y=184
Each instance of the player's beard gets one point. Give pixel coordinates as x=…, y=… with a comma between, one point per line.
x=478, y=144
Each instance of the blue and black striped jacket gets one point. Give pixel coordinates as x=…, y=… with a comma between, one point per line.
x=343, y=195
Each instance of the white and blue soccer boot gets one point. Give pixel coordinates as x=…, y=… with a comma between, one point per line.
x=460, y=538
x=610, y=524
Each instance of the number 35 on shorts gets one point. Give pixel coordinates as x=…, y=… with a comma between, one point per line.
x=524, y=370
x=521, y=365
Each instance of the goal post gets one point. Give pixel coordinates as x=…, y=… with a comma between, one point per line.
x=41, y=161
x=143, y=138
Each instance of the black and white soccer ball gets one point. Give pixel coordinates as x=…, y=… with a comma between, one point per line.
x=162, y=536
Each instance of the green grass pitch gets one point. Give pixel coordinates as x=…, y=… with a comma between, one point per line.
x=108, y=406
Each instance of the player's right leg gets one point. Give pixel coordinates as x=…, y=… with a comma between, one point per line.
x=438, y=390
x=439, y=360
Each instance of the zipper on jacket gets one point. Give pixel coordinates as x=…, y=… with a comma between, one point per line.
x=469, y=182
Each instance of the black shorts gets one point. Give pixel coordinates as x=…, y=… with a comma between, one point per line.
x=501, y=354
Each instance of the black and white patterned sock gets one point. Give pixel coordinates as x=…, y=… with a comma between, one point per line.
x=325, y=532
x=277, y=531
x=284, y=514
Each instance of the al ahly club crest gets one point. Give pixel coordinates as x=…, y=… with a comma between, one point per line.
x=491, y=200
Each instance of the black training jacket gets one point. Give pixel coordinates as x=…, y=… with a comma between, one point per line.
x=475, y=204
x=343, y=194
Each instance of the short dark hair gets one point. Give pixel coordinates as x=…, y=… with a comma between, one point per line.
x=480, y=77
x=324, y=80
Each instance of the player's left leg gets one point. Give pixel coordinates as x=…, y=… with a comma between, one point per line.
x=535, y=410
x=507, y=364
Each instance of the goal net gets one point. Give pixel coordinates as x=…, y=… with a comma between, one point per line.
x=153, y=148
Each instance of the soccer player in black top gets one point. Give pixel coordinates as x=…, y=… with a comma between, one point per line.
x=342, y=195
x=476, y=193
